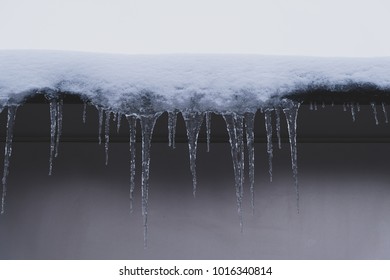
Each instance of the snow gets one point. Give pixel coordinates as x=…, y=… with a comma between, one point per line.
x=215, y=83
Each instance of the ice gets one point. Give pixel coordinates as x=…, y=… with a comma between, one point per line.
x=60, y=104
x=290, y=109
x=101, y=114
x=107, y=134
x=384, y=112
x=147, y=126
x=193, y=121
x=208, y=129
x=234, y=125
x=250, y=139
x=53, y=130
x=353, y=112
x=118, y=121
x=132, y=130
x=8, y=151
x=268, y=127
x=172, y=119
x=84, y=112
x=277, y=113
x=373, y=106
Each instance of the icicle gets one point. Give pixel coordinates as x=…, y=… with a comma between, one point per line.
x=8, y=151
x=315, y=106
x=147, y=125
x=249, y=125
x=208, y=129
x=234, y=125
x=344, y=107
x=277, y=113
x=358, y=107
x=384, y=112
x=53, y=128
x=107, y=133
x=172, y=119
x=193, y=120
x=332, y=103
x=118, y=119
x=290, y=109
x=311, y=106
x=375, y=114
x=101, y=113
x=132, y=128
x=84, y=112
x=59, y=124
x=353, y=112
x=268, y=127
x=323, y=104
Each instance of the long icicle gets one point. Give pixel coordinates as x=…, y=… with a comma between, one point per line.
x=277, y=113
x=53, y=130
x=101, y=113
x=249, y=125
x=147, y=126
x=234, y=125
x=290, y=109
x=107, y=134
x=59, y=124
x=208, y=129
x=132, y=129
x=8, y=151
x=268, y=127
x=172, y=120
x=193, y=121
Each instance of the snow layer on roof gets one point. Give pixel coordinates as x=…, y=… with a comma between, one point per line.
x=165, y=82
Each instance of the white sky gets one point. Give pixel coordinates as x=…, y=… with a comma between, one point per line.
x=286, y=27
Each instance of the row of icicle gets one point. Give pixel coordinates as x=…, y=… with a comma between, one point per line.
x=354, y=108
x=237, y=124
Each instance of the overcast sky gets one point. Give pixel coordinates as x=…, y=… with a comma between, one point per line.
x=287, y=27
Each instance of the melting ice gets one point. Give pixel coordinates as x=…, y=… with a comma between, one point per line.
x=195, y=87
